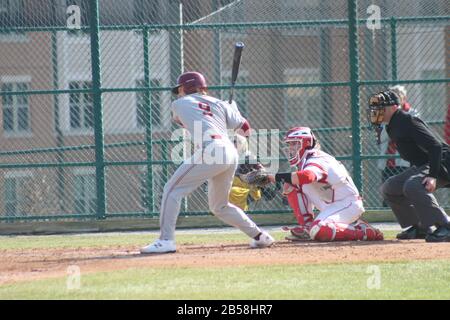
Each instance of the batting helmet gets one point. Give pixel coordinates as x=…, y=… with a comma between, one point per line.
x=191, y=81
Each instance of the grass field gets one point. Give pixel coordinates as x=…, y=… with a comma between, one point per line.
x=409, y=280
x=404, y=279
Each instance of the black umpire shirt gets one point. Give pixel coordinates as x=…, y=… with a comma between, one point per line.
x=415, y=141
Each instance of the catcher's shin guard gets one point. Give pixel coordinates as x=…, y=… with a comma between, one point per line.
x=291, y=194
x=333, y=231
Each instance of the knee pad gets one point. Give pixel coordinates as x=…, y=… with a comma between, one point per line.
x=322, y=231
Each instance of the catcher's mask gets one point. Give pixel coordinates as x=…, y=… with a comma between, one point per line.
x=377, y=107
x=297, y=141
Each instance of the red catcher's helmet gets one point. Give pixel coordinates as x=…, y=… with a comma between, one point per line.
x=191, y=81
x=297, y=141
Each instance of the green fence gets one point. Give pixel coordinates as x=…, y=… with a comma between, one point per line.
x=85, y=90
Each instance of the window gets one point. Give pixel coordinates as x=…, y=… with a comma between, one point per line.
x=300, y=10
x=433, y=7
x=11, y=7
x=155, y=104
x=4, y=6
x=222, y=3
x=11, y=12
x=11, y=197
x=81, y=107
x=149, y=12
x=11, y=15
x=232, y=11
x=307, y=7
x=15, y=195
x=85, y=193
x=16, y=108
x=301, y=105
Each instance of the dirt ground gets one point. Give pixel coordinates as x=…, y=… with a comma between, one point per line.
x=33, y=264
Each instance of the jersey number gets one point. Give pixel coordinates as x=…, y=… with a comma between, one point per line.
x=206, y=109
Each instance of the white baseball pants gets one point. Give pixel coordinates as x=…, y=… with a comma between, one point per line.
x=192, y=174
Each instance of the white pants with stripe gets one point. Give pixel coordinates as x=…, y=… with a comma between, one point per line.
x=191, y=175
x=347, y=210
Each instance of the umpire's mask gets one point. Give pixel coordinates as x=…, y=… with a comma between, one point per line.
x=377, y=107
x=375, y=115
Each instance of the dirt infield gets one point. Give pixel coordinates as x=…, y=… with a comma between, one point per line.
x=33, y=264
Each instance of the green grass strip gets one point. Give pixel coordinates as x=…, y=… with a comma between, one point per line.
x=401, y=280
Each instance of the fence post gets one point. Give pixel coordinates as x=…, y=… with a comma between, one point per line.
x=176, y=41
x=325, y=76
x=60, y=191
x=394, y=47
x=165, y=157
x=98, y=109
x=148, y=117
x=176, y=53
x=354, y=91
x=217, y=68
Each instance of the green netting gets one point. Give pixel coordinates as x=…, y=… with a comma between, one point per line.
x=85, y=90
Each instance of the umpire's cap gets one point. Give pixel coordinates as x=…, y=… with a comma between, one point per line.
x=191, y=81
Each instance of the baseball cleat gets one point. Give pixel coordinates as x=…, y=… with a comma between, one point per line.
x=299, y=233
x=414, y=232
x=264, y=240
x=370, y=233
x=441, y=234
x=160, y=246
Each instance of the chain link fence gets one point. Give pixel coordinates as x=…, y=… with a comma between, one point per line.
x=85, y=91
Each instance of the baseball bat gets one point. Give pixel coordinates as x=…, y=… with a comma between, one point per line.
x=235, y=69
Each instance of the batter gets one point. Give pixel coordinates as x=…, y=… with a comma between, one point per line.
x=215, y=161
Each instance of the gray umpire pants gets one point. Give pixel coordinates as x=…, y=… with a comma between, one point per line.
x=411, y=203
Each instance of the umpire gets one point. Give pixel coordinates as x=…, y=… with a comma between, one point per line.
x=410, y=194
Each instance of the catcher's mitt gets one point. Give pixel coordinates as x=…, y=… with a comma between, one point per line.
x=258, y=178
x=250, y=164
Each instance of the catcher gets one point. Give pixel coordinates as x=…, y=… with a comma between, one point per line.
x=240, y=190
x=320, y=182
